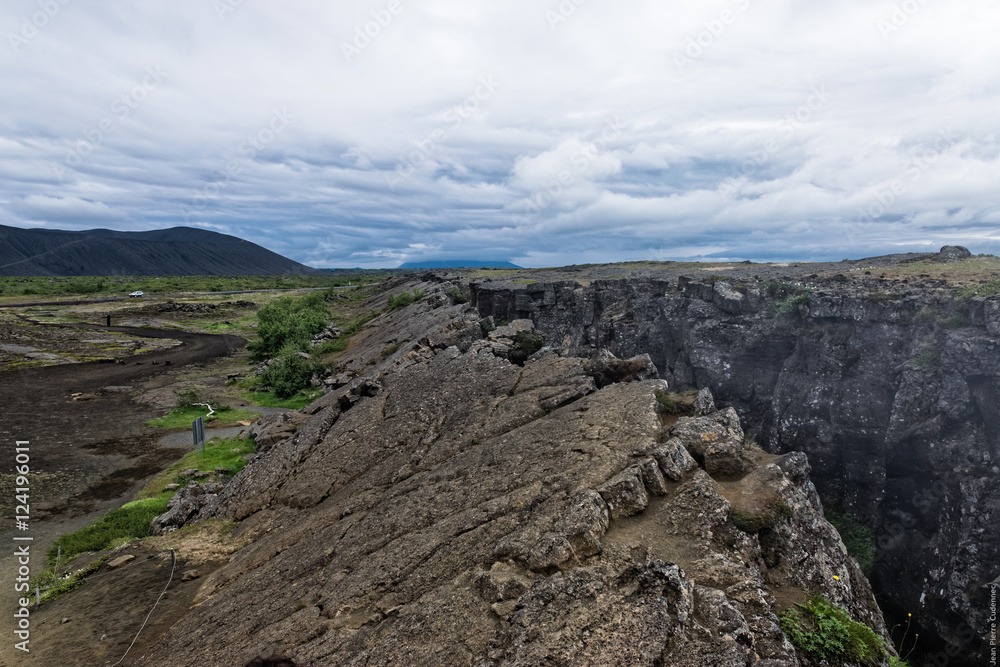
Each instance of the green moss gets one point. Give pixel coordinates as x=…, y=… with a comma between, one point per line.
x=926, y=359
x=776, y=510
x=823, y=631
x=857, y=537
x=669, y=403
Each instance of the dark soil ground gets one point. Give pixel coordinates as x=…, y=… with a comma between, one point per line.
x=89, y=451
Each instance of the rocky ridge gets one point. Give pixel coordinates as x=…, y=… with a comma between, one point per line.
x=451, y=507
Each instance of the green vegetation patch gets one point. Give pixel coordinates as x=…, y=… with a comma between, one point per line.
x=457, y=296
x=288, y=323
x=128, y=521
x=403, y=300
x=183, y=416
x=926, y=359
x=219, y=453
x=674, y=403
x=289, y=374
x=295, y=402
x=857, y=537
x=121, y=285
x=752, y=523
x=823, y=631
x=52, y=586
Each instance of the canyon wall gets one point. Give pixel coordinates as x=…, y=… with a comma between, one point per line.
x=892, y=394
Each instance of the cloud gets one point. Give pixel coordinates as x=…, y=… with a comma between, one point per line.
x=470, y=130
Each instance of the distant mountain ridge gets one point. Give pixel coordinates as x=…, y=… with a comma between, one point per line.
x=458, y=264
x=179, y=251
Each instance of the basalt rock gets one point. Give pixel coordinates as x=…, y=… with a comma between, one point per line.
x=891, y=388
x=467, y=510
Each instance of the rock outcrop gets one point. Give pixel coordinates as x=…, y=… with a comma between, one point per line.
x=890, y=387
x=455, y=506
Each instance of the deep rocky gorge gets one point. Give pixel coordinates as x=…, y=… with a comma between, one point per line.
x=444, y=505
x=891, y=390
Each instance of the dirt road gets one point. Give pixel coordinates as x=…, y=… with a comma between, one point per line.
x=100, y=438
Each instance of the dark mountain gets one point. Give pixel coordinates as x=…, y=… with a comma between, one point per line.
x=179, y=251
x=458, y=264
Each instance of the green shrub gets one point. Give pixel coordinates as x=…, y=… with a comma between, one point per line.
x=289, y=373
x=403, y=300
x=288, y=322
x=857, y=537
x=457, y=296
x=823, y=631
x=187, y=397
x=669, y=404
x=789, y=306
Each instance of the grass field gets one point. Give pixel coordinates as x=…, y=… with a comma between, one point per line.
x=182, y=417
x=131, y=521
x=97, y=286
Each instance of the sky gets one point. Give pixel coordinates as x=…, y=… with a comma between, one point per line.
x=541, y=132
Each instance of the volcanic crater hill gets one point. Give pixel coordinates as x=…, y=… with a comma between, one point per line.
x=178, y=251
x=450, y=507
x=890, y=388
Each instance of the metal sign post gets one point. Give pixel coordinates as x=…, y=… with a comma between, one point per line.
x=198, y=432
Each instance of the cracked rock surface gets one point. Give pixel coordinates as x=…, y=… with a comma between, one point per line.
x=451, y=507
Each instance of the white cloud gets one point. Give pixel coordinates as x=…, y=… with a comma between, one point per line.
x=413, y=97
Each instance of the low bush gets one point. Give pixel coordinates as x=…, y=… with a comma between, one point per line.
x=403, y=300
x=457, y=296
x=288, y=322
x=289, y=373
x=825, y=632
